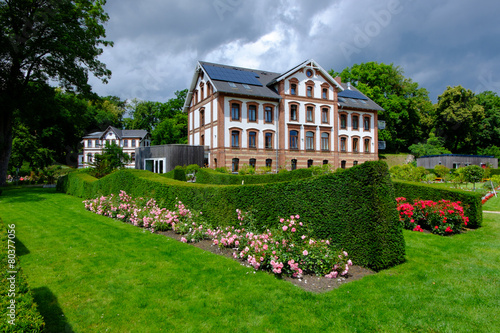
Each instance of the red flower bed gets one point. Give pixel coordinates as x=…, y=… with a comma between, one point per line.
x=443, y=217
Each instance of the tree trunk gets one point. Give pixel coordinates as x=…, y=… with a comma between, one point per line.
x=5, y=143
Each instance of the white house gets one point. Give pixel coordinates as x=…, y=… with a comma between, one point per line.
x=129, y=140
x=296, y=119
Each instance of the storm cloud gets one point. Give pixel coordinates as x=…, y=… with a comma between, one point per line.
x=436, y=43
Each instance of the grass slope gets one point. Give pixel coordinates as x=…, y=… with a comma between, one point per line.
x=91, y=274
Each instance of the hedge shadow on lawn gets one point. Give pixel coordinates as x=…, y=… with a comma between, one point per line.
x=49, y=308
x=27, y=195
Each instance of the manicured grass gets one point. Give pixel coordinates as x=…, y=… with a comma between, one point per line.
x=493, y=204
x=91, y=274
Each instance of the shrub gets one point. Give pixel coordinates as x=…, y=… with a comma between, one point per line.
x=27, y=316
x=417, y=191
x=353, y=207
x=180, y=173
x=441, y=171
x=442, y=217
x=408, y=172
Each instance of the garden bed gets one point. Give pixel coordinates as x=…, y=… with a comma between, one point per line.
x=317, y=284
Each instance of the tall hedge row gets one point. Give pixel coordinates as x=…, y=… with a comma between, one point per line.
x=27, y=316
x=209, y=176
x=355, y=207
x=473, y=207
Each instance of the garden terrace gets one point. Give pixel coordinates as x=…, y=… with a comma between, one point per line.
x=354, y=207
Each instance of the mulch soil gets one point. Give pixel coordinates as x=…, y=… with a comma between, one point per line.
x=310, y=283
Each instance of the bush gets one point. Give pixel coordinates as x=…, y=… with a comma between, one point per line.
x=28, y=318
x=408, y=172
x=180, y=173
x=441, y=171
x=442, y=218
x=418, y=191
x=354, y=207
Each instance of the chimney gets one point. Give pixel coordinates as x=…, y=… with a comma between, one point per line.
x=338, y=79
x=349, y=85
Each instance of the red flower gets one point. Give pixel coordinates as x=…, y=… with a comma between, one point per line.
x=436, y=227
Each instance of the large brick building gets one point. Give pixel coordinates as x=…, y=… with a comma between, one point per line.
x=290, y=120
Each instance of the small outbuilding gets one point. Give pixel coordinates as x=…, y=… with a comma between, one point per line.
x=164, y=158
x=455, y=161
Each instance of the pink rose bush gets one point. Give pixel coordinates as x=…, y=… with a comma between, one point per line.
x=443, y=217
x=287, y=249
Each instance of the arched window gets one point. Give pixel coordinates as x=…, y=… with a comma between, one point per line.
x=355, y=122
x=269, y=163
x=342, y=164
x=252, y=162
x=309, y=163
x=294, y=139
x=252, y=139
x=235, y=111
x=366, y=122
x=235, y=164
x=310, y=140
x=268, y=140
x=343, y=121
x=325, y=139
x=294, y=164
x=343, y=144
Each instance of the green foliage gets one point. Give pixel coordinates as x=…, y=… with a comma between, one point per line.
x=457, y=116
x=354, y=207
x=246, y=170
x=434, y=146
x=407, y=106
x=180, y=173
x=112, y=158
x=46, y=41
x=472, y=174
x=165, y=121
x=27, y=148
x=441, y=170
x=27, y=316
x=418, y=191
x=209, y=176
x=408, y=172
x=487, y=133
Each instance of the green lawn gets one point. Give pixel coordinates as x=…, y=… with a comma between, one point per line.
x=94, y=274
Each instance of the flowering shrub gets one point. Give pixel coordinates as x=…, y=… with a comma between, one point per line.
x=287, y=250
x=146, y=213
x=443, y=217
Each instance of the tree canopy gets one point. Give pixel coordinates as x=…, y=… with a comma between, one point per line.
x=407, y=106
x=456, y=118
x=46, y=40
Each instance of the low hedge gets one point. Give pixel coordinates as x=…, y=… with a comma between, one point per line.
x=209, y=176
x=354, y=207
x=473, y=207
x=27, y=316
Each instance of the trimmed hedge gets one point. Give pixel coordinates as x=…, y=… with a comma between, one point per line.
x=473, y=207
x=355, y=207
x=209, y=176
x=28, y=318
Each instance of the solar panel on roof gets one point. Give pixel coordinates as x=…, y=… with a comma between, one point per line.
x=232, y=75
x=352, y=94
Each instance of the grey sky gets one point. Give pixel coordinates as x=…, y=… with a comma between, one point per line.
x=437, y=43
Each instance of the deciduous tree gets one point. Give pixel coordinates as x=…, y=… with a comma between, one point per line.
x=46, y=40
